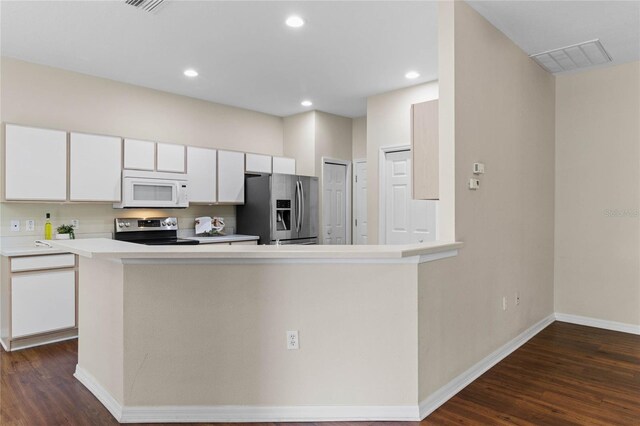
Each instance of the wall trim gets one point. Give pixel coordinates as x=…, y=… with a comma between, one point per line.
x=110, y=403
x=446, y=392
x=243, y=413
x=598, y=323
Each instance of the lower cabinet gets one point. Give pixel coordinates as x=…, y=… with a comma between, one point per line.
x=38, y=304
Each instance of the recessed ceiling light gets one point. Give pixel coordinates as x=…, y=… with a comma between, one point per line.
x=294, y=21
x=306, y=103
x=412, y=74
x=191, y=73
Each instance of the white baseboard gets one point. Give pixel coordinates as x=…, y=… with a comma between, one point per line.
x=241, y=413
x=599, y=323
x=446, y=392
x=110, y=403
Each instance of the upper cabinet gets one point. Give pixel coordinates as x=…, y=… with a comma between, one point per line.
x=257, y=163
x=425, y=149
x=35, y=164
x=170, y=158
x=284, y=165
x=230, y=177
x=95, y=172
x=139, y=155
x=202, y=172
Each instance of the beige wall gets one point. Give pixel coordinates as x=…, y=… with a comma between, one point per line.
x=309, y=136
x=299, y=141
x=333, y=138
x=389, y=123
x=504, y=116
x=597, y=234
x=41, y=96
x=359, y=141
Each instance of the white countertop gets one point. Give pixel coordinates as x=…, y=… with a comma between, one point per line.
x=102, y=248
x=224, y=238
x=30, y=251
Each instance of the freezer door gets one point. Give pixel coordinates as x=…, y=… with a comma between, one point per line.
x=284, y=217
x=309, y=207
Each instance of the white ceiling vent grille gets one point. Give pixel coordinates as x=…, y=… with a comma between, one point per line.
x=146, y=5
x=572, y=57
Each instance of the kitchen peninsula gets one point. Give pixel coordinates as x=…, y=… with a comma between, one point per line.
x=198, y=333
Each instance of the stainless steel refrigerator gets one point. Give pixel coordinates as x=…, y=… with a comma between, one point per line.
x=280, y=208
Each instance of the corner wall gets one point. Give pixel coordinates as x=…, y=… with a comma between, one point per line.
x=504, y=114
x=597, y=234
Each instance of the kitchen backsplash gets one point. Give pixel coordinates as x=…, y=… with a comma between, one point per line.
x=94, y=219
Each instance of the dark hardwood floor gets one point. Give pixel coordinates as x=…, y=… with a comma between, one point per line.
x=566, y=375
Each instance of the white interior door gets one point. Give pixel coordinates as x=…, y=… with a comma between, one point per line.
x=407, y=221
x=334, y=200
x=360, y=203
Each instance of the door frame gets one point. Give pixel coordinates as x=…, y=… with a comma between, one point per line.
x=347, y=207
x=382, y=193
x=354, y=196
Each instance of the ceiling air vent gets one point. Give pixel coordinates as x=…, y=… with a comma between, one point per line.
x=572, y=57
x=146, y=5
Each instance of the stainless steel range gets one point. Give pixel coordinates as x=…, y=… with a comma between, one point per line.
x=153, y=231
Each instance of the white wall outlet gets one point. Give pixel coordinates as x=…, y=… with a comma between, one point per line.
x=292, y=340
x=30, y=225
x=504, y=303
x=75, y=223
x=517, y=298
x=474, y=184
x=15, y=225
x=478, y=168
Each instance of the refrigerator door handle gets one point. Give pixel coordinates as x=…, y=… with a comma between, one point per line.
x=302, y=204
x=298, y=202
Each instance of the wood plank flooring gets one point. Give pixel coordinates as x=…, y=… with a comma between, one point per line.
x=566, y=375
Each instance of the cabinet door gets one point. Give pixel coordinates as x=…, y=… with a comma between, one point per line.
x=42, y=302
x=170, y=158
x=202, y=172
x=139, y=155
x=96, y=168
x=35, y=164
x=425, y=150
x=256, y=163
x=283, y=165
x=230, y=177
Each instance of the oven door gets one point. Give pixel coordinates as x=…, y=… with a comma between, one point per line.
x=141, y=192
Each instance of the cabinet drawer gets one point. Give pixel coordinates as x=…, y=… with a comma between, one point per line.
x=42, y=302
x=30, y=263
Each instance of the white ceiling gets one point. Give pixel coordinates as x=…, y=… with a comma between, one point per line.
x=247, y=57
x=245, y=54
x=538, y=26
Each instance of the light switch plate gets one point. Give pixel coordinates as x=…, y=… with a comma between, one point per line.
x=30, y=225
x=75, y=223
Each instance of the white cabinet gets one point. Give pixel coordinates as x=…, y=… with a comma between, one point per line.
x=284, y=165
x=257, y=163
x=170, y=158
x=139, y=155
x=43, y=302
x=95, y=167
x=230, y=177
x=35, y=164
x=202, y=172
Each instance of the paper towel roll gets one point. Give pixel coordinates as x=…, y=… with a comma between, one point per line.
x=203, y=225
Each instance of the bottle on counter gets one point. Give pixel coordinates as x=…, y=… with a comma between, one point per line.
x=48, y=228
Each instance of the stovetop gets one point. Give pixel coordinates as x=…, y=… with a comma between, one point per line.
x=153, y=231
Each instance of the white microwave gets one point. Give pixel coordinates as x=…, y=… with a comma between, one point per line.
x=153, y=190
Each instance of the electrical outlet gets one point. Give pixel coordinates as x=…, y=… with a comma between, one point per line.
x=75, y=223
x=292, y=340
x=504, y=303
x=15, y=226
x=30, y=225
x=517, y=298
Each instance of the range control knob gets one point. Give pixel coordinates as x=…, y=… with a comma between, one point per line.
x=173, y=223
x=164, y=223
x=127, y=224
x=120, y=224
